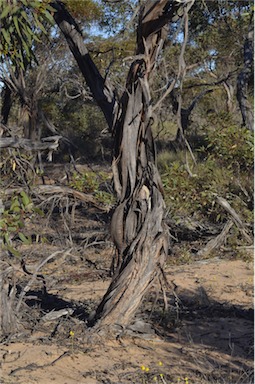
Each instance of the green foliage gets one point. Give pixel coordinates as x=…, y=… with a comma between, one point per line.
x=91, y=182
x=224, y=168
x=86, y=182
x=22, y=21
x=232, y=145
x=87, y=10
x=13, y=220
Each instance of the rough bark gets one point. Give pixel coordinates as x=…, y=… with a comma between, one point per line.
x=244, y=79
x=138, y=228
x=8, y=316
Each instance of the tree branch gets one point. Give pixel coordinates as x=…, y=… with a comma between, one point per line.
x=51, y=143
x=100, y=89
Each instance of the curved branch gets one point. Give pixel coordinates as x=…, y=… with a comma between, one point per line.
x=100, y=89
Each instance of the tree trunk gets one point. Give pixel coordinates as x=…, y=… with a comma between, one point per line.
x=8, y=316
x=243, y=79
x=6, y=104
x=137, y=227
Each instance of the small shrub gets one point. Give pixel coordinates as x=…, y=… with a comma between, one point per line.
x=13, y=219
x=91, y=182
x=224, y=168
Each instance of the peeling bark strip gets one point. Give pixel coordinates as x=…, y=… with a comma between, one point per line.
x=138, y=227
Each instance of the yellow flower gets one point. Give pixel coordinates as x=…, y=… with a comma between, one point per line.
x=186, y=380
x=161, y=375
x=143, y=368
x=71, y=333
x=147, y=369
x=160, y=363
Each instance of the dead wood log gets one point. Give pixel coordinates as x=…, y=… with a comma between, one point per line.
x=189, y=229
x=53, y=315
x=236, y=218
x=215, y=243
x=46, y=143
x=61, y=190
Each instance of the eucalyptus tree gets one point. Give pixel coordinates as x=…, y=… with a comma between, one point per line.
x=137, y=228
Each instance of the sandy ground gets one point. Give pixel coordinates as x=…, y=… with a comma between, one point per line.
x=205, y=336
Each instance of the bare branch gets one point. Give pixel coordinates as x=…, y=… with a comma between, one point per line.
x=50, y=143
x=101, y=90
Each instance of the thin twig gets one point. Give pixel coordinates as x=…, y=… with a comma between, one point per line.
x=35, y=275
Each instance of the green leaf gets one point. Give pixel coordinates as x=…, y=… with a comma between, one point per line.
x=12, y=229
x=5, y=12
x=16, y=23
x=15, y=204
x=6, y=36
x=13, y=250
x=6, y=238
x=39, y=24
x=25, y=46
x=48, y=16
x=24, y=2
x=25, y=199
x=39, y=211
x=16, y=209
x=24, y=15
x=24, y=239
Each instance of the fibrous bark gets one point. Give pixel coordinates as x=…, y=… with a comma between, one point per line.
x=137, y=227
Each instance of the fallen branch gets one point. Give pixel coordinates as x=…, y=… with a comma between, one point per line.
x=217, y=241
x=50, y=143
x=57, y=189
x=35, y=276
x=236, y=218
x=53, y=315
x=34, y=366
